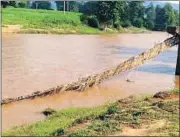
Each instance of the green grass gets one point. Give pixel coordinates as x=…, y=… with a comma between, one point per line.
x=136, y=114
x=107, y=119
x=53, y=123
x=40, y=19
x=47, y=21
x=50, y=21
x=176, y=90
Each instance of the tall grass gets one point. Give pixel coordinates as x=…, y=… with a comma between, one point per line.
x=41, y=19
x=50, y=21
x=60, y=120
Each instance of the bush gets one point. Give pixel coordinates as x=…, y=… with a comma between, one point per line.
x=149, y=24
x=138, y=23
x=112, y=109
x=41, y=5
x=93, y=21
x=13, y=4
x=117, y=25
x=58, y=132
x=159, y=27
x=22, y=4
x=126, y=24
x=84, y=18
x=4, y=4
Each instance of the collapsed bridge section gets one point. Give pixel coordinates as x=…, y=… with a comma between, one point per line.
x=89, y=81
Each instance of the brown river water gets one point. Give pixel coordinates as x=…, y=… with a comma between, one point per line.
x=32, y=62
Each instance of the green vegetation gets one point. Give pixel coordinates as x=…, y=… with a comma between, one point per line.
x=175, y=91
x=158, y=117
x=103, y=14
x=132, y=13
x=57, y=121
x=45, y=21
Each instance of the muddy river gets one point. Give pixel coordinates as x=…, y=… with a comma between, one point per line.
x=32, y=62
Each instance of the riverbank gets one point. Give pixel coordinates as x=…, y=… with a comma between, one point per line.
x=33, y=21
x=152, y=115
x=70, y=30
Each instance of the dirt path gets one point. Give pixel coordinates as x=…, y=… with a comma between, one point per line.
x=142, y=131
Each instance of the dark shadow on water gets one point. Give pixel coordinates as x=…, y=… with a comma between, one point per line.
x=167, y=57
x=125, y=52
x=159, y=68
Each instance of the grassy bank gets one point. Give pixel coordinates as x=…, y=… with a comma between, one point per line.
x=56, y=22
x=141, y=116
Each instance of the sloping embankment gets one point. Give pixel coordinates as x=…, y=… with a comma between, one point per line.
x=89, y=81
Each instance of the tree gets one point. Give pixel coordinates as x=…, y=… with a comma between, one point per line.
x=70, y=5
x=74, y=6
x=160, y=23
x=177, y=17
x=106, y=13
x=60, y=5
x=4, y=4
x=89, y=8
x=169, y=15
x=41, y=5
x=138, y=23
x=23, y=4
x=111, y=12
x=136, y=12
x=12, y=3
x=150, y=16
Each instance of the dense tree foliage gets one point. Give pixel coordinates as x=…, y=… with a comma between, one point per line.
x=113, y=13
x=60, y=5
x=41, y=5
x=23, y=4
x=150, y=16
x=124, y=13
x=72, y=6
x=15, y=4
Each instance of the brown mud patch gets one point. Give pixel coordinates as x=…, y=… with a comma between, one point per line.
x=11, y=28
x=144, y=130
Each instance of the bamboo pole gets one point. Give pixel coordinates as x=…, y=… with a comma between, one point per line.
x=64, y=6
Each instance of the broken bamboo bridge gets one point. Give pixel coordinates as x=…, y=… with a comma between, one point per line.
x=131, y=63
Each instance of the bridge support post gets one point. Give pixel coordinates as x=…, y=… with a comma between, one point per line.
x=178, y=61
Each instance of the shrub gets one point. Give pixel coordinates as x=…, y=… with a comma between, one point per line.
x=22, y=4
x=84, y=18
x=138, y=23
x=112, y=109
x=93, y=21
x=58, y=132
x=117, y=25
x=149, y=24
x=126, y=24
x=159, y=27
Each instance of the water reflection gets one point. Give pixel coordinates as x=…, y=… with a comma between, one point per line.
x=158, y=68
